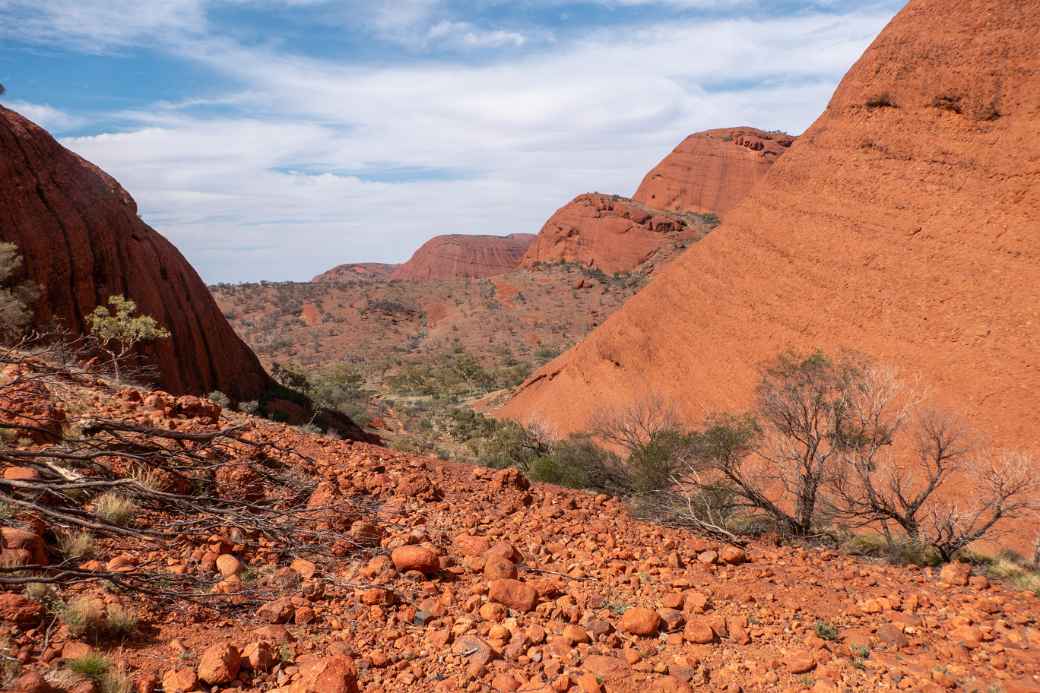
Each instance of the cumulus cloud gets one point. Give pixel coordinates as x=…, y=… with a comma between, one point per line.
x=47, y=116
x=310, y=162
x=99, y=25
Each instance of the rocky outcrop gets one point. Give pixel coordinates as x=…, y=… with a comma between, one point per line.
x=461, y=256
x=610, y=233
x=712, y=171
x=82, y=242
x=902, y=224
x=358, y=271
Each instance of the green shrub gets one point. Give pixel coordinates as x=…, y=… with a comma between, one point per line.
x=826, y=631
x=15, y=298
x=653, y=465
x=218, y=397
x=94, y=666
x=580, y=463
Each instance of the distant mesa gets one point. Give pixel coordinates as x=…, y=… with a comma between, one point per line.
x=712, y=171
x=902, y=224
x=358, y=271
x=611, y=233
x=458, y=256
x=462, y=256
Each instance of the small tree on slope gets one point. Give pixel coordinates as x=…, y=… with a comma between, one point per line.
x=118, y=330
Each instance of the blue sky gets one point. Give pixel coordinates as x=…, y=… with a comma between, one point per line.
x=272, y=139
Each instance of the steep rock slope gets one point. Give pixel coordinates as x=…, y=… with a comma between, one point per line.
x=712, y=171
x=356, y=271
x=82, y=241
x=610, y=233
x=903, y=224
x=460, y=256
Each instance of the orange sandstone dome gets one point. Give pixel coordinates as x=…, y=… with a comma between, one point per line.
x=905, y=223
x=460, y=256
x=712, y=171
x=611, y=233
x=82, y=241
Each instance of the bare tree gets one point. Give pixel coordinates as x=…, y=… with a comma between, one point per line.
x=1003, y=487
x=869, y=490
x=637, y=424
x=814, y=411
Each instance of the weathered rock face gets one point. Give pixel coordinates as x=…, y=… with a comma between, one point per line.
x=712, y=171
x=358, y=271
x=611, y=233
x=82, y=241
x=460, y=256
x=903, y=224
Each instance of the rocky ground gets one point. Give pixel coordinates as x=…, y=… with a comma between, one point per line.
x=464, y=578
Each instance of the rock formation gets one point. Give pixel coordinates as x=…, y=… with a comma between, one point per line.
x=459, y=256
x=611, y=233
x=712, y=171
x=82, y=241
x=358, y=271
x=903, y=224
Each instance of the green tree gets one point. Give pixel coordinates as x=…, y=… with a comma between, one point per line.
x=118, y=330
x=15, y=298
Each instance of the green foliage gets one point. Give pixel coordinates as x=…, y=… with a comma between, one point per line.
x=118, y=330
x=579, y=463
x=218, y=397
x=511, y=445
x=825, y=631
x=892, y=550
x=118, y=324
x=336, y=387
x=15, y=298
x=93, y=665
x=653, y=465
x=454, y=374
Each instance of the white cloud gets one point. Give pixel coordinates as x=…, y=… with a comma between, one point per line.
x=47, y=116
x=99, y=25
x=279, y=195
x=467, y=34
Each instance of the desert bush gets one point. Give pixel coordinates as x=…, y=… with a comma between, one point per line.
x=579, y=463
x=882, y=100
x=94, y=666
x=15, y=297
x=118, y=330
x=218, y=397
x=114, y=508
x=512, y=445
x=251, y=407
x=78, y=545
x=652, y=466
x=818, y=448
x=89, y=618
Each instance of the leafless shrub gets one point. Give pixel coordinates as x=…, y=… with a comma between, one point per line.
x=829, y=441
x=631, y=427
